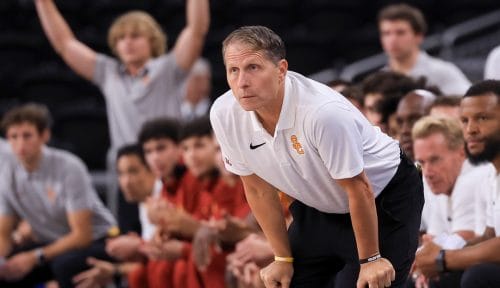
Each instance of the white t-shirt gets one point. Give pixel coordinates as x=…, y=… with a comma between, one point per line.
x=492, y=66
x=320, y=136
x=450, y=214
x=493, y=209
x=148, y=228
x=483, y=192
x=445, y=75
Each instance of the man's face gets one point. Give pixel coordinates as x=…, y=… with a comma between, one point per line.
x=198, y=87
x=134, y=178
x=480, y=117
x=161, y=155
x=133, y=47
x=440, y=165
x=199, y=154
x=371, y=110
x=254, y=79
x=398, y=39
x=27, y=142
x=410, y=109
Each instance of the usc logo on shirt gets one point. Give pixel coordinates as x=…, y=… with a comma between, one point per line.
x=296, y=145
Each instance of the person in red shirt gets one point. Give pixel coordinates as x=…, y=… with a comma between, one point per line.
x=159, y=140
x=212, y=214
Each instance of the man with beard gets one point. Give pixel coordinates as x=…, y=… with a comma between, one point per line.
x=480, y=261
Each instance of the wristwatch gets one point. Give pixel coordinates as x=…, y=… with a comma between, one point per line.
x=441, y=262
x=40, y=257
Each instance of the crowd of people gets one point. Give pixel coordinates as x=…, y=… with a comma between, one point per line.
x=282, y=182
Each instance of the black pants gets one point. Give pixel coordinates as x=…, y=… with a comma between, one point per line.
x=324, y=246
x=486, y=275
x=62, y=268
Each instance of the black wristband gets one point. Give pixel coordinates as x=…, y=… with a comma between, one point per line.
x=370, y=259
x=117, y=276
x=441, y=261
x=40, y=257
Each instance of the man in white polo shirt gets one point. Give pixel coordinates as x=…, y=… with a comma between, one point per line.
x=439, y=148
x=480, y=261
x=279, y=130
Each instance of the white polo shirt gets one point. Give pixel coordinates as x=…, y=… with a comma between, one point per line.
x=493, y=209
x=320, y=136
x=450, y=214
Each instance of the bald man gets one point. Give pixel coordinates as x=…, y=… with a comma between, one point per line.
x=414, y=105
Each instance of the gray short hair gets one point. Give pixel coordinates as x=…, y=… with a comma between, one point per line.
x=259, y=38
x=449, y=128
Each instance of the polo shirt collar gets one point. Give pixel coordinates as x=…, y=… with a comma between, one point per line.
x=287, y=113
x=142, y=72
x=24, y=174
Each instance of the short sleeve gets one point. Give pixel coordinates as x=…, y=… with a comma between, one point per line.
x=233, y=160
x=338, y=138
x=168, y=66
x=80, y=194
x=102, y=66
x=6, y=187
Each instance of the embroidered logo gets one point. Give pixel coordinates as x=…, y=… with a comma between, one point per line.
x=51, y=194
x=227, y=161
x=296, y=145
x=253, y=147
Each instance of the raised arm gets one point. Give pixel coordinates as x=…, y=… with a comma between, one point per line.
x=190, y=42
x=266, y=207
x=77, y=55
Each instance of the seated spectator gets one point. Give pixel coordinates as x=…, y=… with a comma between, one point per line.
x=383, y=86
x=339, y=84
x=402, y=29
x=479, y=261
x=449, y=107
x=411, y=108
x=439, y=149
x=51, y=190
x=353, y=94
x=137, y=183
x=196, y=101
x=158, y=139
x=492, y=66
x=446, y=106
x=220, y=199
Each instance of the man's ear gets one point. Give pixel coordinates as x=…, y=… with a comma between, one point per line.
x=46, y=136
x=283, y=68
